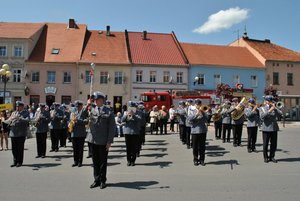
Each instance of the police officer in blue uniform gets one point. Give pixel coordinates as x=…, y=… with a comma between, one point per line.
x=103, y=128
x=131, y=130
x=198, y=120
x=269, y=114
x=19, y=123
x=41, y=119
x=182, y=113
x=56, y=117
x=253, y=121
x=78, y=122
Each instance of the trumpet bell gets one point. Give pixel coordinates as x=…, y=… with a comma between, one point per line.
x=279, y=105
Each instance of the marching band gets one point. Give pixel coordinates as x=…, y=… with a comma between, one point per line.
x=95, y=123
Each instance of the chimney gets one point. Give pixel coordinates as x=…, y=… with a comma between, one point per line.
x=267, y=40
x=144, y=35
x=72, y=24
x=108, y=30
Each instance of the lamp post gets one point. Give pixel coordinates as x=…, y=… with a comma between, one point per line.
x=5, y=74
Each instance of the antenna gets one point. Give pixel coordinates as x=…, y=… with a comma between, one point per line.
x=238, y=35
x=245, y=32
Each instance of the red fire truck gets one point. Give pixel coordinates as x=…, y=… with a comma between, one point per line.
x=165, y=98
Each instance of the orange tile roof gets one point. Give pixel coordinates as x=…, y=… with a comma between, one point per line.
x=57, y=35
x=19, y=30
x=271, y=51
x=107, y=49
x=200, y=54
x=157, y=49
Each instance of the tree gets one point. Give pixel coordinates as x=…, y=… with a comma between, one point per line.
x=224, y=90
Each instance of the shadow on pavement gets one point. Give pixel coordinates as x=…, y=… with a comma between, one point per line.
x=162, y=164
x=139, y=185
x=153, y=155
x=38, y=166
x=289, y=159
x=224, y=162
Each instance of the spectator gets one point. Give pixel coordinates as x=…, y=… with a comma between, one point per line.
x=163, y=118
x=154, y=119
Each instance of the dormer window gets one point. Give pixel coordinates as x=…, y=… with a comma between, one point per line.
x=55, y=51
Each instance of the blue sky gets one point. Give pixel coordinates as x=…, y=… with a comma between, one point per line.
x=194, y=21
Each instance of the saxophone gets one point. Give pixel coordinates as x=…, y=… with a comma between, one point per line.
x=72, y=122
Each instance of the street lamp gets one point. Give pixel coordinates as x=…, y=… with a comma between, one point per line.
x=5, y=74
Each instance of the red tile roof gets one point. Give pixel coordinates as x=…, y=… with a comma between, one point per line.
x=56, y=35
x=157, y=49
x=199, y=54
x=271, y=51
x=105, y=49
x=19, y=30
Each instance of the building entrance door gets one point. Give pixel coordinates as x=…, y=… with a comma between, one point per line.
x=117, y=104
x=50, y=100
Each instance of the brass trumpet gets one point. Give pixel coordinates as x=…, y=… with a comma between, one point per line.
x=279, y=105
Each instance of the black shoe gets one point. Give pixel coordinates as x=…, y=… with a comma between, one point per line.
x=249, y=150
x=52, y=150
x=254, y=150
x=56, y=150
x=13, y=165
x=273, y=160
x=235, y=145
x=43, y=156
x=89, y=157
x=128, y=163
x=37, y=156
x=132, y=163
x=102, y=185
x=202, y=163
x=196, y=163
x=266, y=160
x=75, y=164
x=18, y=165
x=137, y=154
x=95, y=184
x=79, y=164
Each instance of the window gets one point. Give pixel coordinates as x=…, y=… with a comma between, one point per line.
x=66, y=99
x=254, y=82
x=179, y=77
x=236, y=79
x=166, y=77
x=275, y=78
x=35, y=76
x=152, y=76
x=118, y=78
x=139, y=76
x=290, y=79
x=217, y=79
x=55, y=51
x=17, y=75
x=103, y=77
x=87, y=76
x=2, y=51
x=161, y=98
x=67, y=77
x=51, y=76
x=200, y=79
x=18, y=51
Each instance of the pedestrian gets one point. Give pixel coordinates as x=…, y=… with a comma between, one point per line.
x=172, y=117
x=103, y=128
x=163, y=118
x=4, y=130
x=154, y=119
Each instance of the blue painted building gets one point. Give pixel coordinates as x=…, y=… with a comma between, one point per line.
x=211, y=65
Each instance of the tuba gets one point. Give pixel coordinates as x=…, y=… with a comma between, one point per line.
x=239, y=110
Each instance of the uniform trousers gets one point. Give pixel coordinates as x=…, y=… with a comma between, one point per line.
x=182, y=133
x=252, y=135
x=17, y=145
x=54, y=134
x=131, y=147
x=99, y=156
x=226, y=127
x=41, y=143
x=218, y=129
x=188, y=136
x=237, y=133
x=63, y=137
x=163, y=126
x=78, y=146
x=272, y=138
x=198, y=141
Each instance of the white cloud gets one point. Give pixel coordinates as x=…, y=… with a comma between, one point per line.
x=224, y=19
